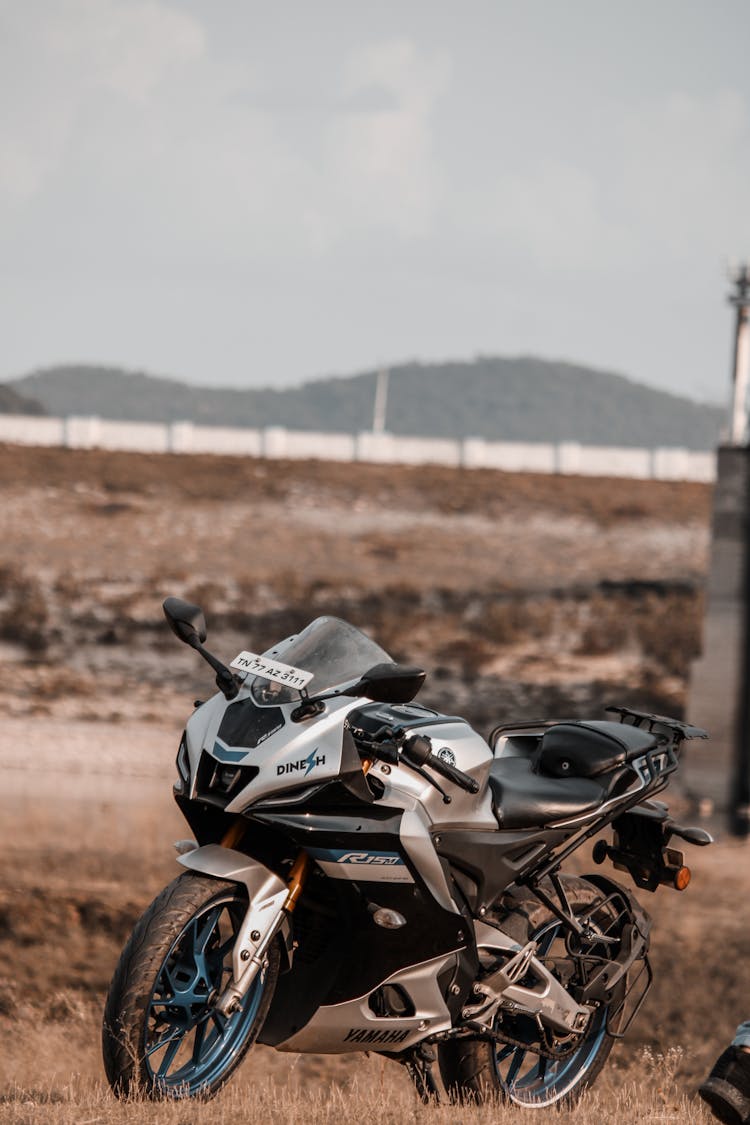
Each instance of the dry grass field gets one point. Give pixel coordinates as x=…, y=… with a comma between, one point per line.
x=517, y=592
x=69, y=898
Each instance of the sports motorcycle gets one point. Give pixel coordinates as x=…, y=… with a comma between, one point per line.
x=369, y=875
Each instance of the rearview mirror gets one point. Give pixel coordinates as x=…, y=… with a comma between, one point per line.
x=185, y=620
x=389, y=683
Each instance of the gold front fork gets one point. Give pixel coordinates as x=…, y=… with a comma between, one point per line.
x=297, y=875
x=296, y=880
x=301, y=866
x=234, y=833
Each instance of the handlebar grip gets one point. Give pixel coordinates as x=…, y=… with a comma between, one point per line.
x=450, y=773
x=384, y=752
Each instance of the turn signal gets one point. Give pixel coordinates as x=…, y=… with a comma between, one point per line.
x=388, y=919
x=682, y=878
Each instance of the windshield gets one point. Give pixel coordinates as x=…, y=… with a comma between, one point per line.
x=332, y=649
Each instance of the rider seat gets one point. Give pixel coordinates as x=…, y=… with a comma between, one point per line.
x=524, y=799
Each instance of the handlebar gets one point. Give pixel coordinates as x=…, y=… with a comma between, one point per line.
x=389, y=745
x=451, y=773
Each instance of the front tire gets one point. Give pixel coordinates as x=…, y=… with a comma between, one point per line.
x=162, y=1036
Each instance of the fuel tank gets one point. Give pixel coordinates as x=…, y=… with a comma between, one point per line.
x=453, y=740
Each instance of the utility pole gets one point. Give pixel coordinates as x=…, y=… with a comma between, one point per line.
x=741, y=369
x=381, y=401
x=719, y=772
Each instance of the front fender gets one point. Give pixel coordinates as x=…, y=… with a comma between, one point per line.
x=264, y=888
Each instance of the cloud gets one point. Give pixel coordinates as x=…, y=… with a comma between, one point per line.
x=353, y=157
x=665, y=178
x=382, y=159
x=370, y=98
x=128, y=48
x=60, y=57
x=686, y=169
x=124, y=121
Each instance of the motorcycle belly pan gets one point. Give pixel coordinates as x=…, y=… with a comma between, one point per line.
x=353, y=1026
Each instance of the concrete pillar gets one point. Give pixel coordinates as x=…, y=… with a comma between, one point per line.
x=274, y=441
x=718, y=771
x=82, y=432
x=381, y=402
x=180, y=437
x=473, y=453
x=740, y=435
x=568, y=457
x=378, y=448
x=670, y=464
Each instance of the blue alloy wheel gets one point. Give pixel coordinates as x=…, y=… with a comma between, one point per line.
x=187, y=1045
x=530, y=1079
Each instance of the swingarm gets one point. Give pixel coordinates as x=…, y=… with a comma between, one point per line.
x=545, y=999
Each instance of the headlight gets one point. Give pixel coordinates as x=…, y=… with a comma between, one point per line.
x=183, y=761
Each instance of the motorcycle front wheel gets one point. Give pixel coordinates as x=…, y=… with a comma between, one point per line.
x=162, y=1036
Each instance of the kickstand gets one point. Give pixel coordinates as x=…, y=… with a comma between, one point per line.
x=418, y=1063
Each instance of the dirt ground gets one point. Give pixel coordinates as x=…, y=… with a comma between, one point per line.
x=519, y=593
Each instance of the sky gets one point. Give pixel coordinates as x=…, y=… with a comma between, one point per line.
x=254, y=194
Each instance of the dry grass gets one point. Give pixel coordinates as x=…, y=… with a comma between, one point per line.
x=117, y=479
x=500, y=584
x=68, y=902
x=373, y=1097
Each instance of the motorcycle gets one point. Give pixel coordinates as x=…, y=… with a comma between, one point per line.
x=370, y=875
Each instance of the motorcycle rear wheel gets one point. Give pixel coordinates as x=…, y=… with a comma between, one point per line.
x=475, y=1070
x=161, y=1035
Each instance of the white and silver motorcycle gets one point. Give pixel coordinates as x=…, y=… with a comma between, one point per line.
x=370, y=875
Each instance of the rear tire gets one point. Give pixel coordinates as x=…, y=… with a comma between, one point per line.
x=161, y=1036
x=475, y=1070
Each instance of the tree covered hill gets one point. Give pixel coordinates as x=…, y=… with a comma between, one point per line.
x=11, y=402
x=520, y=399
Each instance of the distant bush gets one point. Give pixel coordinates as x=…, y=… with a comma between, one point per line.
x=24, y=616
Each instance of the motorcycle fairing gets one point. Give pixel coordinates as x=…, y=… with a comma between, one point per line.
x=343, y=957
x=343, y=954
x=353, y=1026
x=380, y=829
x=284, y=754
x=484, y=864
x=369, y=866
x=245, y=725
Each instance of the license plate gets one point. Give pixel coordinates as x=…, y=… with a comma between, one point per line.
x=255, y=665
x=660, y=762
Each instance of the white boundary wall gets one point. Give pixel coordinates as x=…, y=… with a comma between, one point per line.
x=513, y=456
x=382, y=448
x=21, y=429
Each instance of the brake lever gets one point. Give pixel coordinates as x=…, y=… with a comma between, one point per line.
x=417, y=750
x=386, y=749
x=402, y=761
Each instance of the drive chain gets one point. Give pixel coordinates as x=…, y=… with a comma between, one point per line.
x=546, y=1052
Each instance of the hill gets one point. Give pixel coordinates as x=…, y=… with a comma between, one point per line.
x=521, y=399
x=11, y=402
